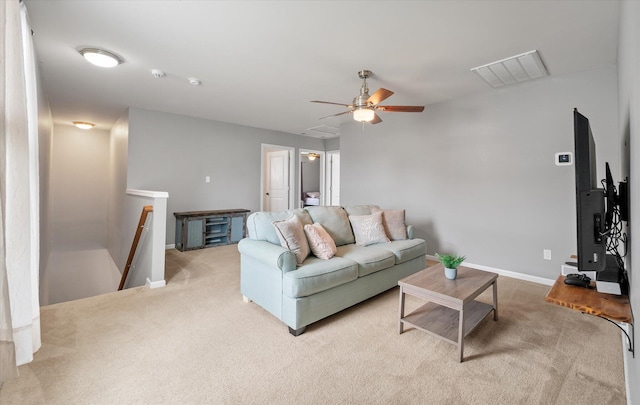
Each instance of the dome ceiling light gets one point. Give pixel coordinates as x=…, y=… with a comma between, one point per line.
x=101, y=58
x=84, y=124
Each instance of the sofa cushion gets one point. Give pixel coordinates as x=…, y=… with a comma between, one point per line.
x=292, y=237
x=369, y=258
x=394, y=223
x=320, y=242
x=368, y=229
x=405, y=250
x=317, y=275
x=335, y=221
x=360, y=209
x=260, y=224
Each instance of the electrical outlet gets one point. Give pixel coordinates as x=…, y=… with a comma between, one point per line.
x=547, y=254
x=207, y=179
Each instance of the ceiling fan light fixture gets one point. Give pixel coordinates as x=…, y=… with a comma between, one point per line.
x=101, y=58
x=364, y=106
x=364, y=115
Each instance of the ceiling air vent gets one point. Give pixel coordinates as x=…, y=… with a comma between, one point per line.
x=325, y=129
x=512, y=70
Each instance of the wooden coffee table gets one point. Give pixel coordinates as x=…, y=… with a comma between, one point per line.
x=451, y=313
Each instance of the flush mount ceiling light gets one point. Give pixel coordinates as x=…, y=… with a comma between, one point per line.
x=519, y=68
x=84, y=124
x=100, y=57
x=313, y=156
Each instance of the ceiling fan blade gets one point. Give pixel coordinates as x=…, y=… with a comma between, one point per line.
x=335, y=115
x=379, y=95
x=401, y=108
x=376, y=119
x=329, y=102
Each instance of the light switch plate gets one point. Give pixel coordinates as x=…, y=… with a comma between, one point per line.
x=564, y=159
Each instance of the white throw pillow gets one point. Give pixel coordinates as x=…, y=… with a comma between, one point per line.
x=368, y=229
x=321, y=244
x=394, y=223
x=292, y=237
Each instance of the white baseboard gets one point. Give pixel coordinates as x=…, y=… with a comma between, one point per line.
x=625, y=357
x=506, y=273
x=155, y=284
x=171, y=246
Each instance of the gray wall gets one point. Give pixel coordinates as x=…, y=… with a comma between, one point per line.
x=629, y=129
x=119, y=238
x=174, y=153
x=79, y=188
x=477, y=175
x=45, y=134
x=332, y=144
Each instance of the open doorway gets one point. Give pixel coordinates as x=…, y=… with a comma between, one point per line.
x=311, y=175
x=277, y=177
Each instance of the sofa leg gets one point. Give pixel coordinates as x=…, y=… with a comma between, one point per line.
x=297, y=332
x=246, y=299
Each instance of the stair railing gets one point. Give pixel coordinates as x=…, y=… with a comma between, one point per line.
x=134, y=246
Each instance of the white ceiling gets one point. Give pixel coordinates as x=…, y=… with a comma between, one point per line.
x=261, y=62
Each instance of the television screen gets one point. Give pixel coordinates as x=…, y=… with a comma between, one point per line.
x=590, y=200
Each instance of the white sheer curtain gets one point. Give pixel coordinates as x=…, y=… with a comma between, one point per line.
x=19, y=188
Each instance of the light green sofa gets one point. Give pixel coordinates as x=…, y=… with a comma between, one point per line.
x=301, y=295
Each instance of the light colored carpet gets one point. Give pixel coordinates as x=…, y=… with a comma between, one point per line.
x=196, y=342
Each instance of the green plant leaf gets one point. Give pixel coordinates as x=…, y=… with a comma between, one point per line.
x=450, y=261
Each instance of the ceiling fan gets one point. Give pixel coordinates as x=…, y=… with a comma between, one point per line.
x=364, y=106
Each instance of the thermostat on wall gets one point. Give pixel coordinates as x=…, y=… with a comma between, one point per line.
x=564, y=159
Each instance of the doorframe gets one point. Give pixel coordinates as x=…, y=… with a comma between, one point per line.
x=329, y=183
x=266, y=147
x=322, y=174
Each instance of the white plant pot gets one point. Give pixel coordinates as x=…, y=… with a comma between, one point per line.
x=451, y=274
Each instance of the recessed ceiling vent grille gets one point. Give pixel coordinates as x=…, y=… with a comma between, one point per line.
x=512, y=70
x=325, y=129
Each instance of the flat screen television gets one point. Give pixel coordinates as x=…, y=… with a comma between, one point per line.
x=590, y=200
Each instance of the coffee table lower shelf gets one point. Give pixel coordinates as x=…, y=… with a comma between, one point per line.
x=443, y=322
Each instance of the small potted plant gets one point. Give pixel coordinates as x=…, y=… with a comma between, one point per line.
x=450, y=263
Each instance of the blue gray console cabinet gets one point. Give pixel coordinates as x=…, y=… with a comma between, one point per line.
x=203, y=229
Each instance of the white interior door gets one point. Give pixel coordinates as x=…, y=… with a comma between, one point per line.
x=277, y=181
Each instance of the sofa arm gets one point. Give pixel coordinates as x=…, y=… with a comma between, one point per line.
x=268, y=253
x=410, y=231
